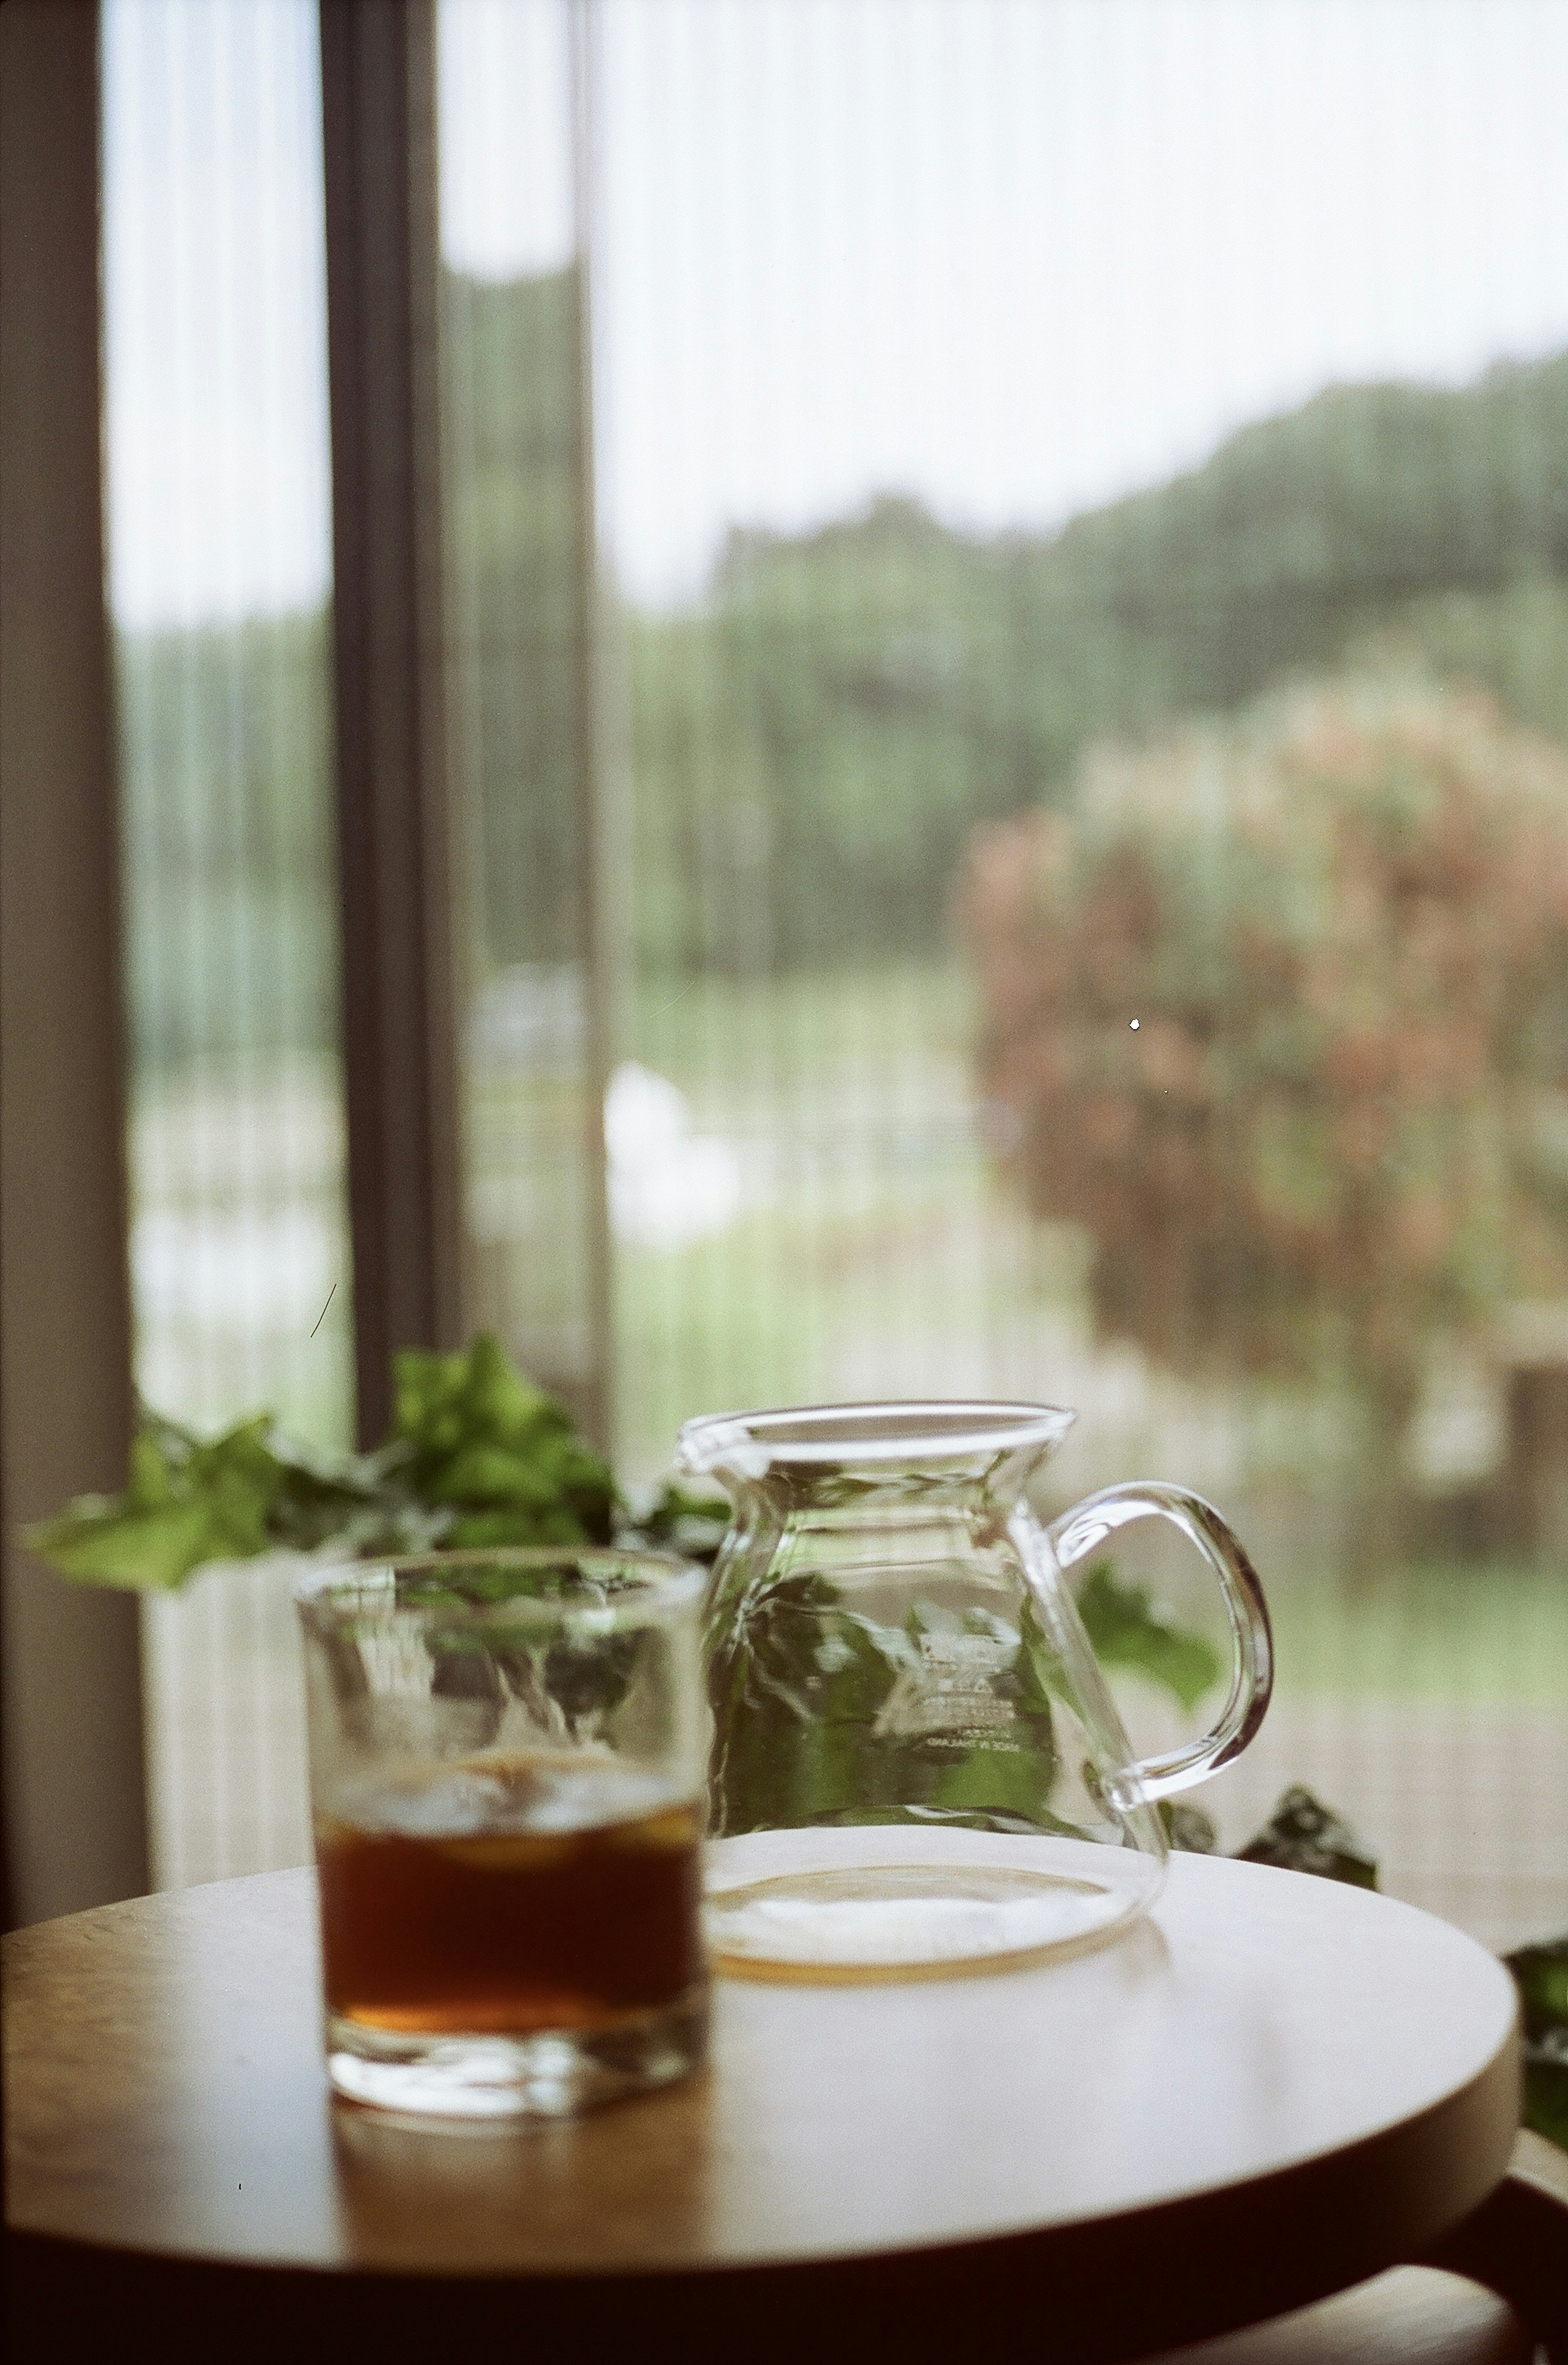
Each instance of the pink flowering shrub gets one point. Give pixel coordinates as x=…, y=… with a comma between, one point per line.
x=1277, y=1009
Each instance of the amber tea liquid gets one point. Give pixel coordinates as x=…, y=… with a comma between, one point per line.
x=542, y=1906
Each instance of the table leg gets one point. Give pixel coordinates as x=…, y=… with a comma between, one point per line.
x=1516, y=2242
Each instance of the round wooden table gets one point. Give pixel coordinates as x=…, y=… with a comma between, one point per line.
x=1276, y=2087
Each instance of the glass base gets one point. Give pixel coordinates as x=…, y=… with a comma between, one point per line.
x=890, y=1902
x=552, y=2075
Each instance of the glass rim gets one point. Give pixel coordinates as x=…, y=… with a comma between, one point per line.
x=663, y=1582
x=876, y=1432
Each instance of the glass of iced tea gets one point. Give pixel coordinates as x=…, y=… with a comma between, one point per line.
x=508, y=1751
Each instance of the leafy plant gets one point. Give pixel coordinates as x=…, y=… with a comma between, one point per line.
x=1540, y=1974
x=1128, y=1628
x=693, y=1525
x=807, y=1695
x=477, y=1456
x=1304, y=1836
x=497, y=1453
x=187, y=1501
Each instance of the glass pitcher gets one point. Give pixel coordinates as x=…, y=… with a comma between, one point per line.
x=917, y=1766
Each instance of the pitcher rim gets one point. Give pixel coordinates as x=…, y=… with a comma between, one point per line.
x=889, y=1429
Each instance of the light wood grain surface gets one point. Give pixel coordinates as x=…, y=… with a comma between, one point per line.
x=1265, y=2044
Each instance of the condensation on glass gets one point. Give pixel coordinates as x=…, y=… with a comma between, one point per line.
x=219, y=542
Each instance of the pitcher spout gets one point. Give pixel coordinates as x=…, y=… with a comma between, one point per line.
x=997, y=1446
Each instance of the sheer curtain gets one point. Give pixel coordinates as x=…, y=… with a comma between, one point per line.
x=219, y=538
x=981, y=387
x=887, y=444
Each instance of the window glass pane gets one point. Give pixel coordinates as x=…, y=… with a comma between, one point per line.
x=521, y=711
x=1075, y=760
x=220, y=555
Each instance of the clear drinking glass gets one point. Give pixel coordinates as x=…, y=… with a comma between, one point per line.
x=508, y=1751
x=916, y=1764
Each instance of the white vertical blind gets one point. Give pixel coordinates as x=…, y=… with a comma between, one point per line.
x=887, y=292
x=219, y=540
x=520, y=691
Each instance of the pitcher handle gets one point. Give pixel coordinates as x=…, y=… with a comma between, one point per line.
x=1080, y=1531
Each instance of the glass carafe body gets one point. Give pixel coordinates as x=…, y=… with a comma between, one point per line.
x=917, y=1765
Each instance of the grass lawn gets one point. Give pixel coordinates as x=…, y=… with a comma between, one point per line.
x=872, y=1238
x=887, y=1221
x=868, y=1206
x=897, y=1031
x=1476, y=1632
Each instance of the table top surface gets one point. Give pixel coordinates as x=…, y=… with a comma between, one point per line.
x=165, y=2092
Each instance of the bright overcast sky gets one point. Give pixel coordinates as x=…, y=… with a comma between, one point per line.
x=1015, y=256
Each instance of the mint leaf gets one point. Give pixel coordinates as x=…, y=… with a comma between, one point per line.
x=186, y=1502
x=97, y=1542
x=501, y=1455
x=1128, y=1629
x=1540, y=1974
x=479, y=1456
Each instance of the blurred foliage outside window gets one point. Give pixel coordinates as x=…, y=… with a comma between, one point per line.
x=823, y=747
x=1337, y=1134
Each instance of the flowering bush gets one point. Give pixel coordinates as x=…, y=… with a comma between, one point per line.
x=1277, y=1009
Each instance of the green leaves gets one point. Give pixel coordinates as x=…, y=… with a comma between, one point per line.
x=796, y=1686
x=184, y=1502
x=1540, y=1974
x=443, y=1403
x=824, y=1715
x=1304, y=1836
x=693, y=1525
x=477, y=1456
x=489, y=1446
x=1129, y=1630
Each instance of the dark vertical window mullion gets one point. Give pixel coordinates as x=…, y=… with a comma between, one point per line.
x=377, y=86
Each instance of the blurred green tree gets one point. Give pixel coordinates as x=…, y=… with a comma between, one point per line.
x=516, y=551
x=810, y=740
x=814, y=739
x=226, y=758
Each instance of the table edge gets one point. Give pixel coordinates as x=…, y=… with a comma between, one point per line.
x=1473, y=2153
